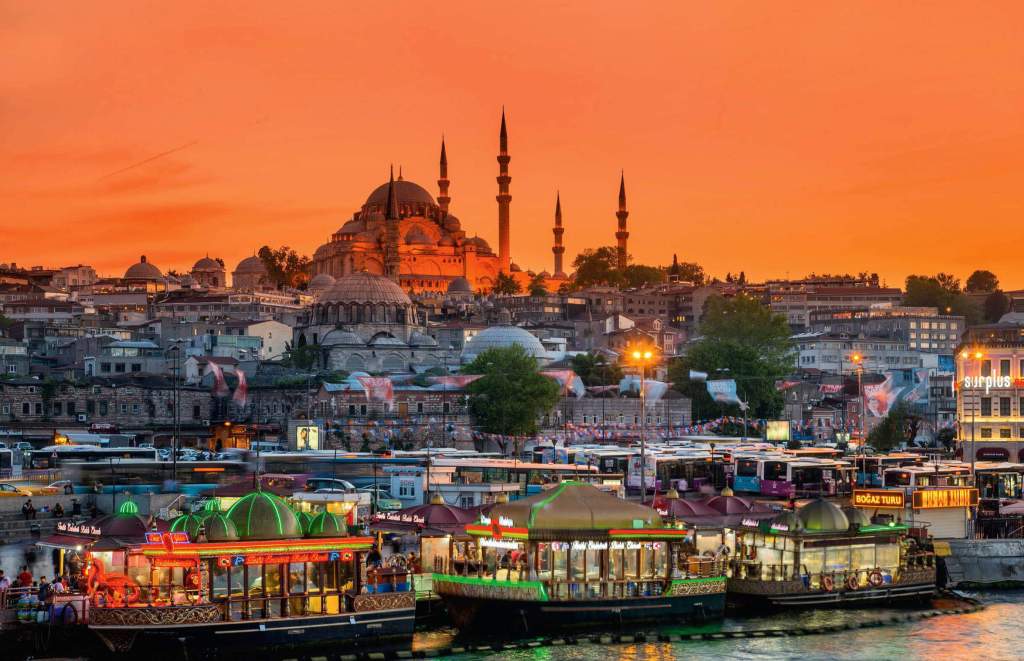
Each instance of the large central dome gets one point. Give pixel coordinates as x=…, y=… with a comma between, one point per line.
x=406, y=191
x=365, y=287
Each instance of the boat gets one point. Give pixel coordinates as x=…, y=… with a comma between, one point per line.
x=575, y=556
x=249, y=579
x=824, y=555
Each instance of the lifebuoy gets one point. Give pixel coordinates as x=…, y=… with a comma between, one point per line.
x=827, y=583
x=852, y=583
x=875, y=578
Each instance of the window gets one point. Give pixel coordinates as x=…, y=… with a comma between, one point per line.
x=1004, y=406
x=136, y=367
x=466, y=502
x=447, y=407
x=362, y=409
x=39, y=408
x=135, y=409
x=124, y=408
x=56, y=408
x=119, y=368
x=986, y=406
x=1004, y=432
x=12, y=369
x=351, y=409
x=1004, y=367
x=71, y=408
x=986, y=368
x=986, y=432
x=419, y=407
x=6, y=409
x=103, y=407
x=90, y=406
x=25, y=408
x=104, y=367
x=196, y=412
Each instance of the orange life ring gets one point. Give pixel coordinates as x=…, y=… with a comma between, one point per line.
x=827, y=583
x=852, y=583
x=875, y=579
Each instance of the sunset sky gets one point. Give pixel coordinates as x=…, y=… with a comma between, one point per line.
x=778, y=138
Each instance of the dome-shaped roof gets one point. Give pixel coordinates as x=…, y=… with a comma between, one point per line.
x=788, y=521
x=126, y=522
x=262, y=515
x=143, y=270
x=321, y=282
x=577, y=506
x=342, y=337
x=822, y=516
x=363, y=287
x=187, y=523
x=304, y=520
x=460, y=285
x=431, y=519
x=326, y=524
x=207, y=264
x=857, y=516
x=728, y=504
x=353, y=226
x=386, y=340
x=416, y=236
x=406, y=192
x=418, y=339
x=446, y=241
x=219, y=528
x=682, y=508
x=501, y=337
x=478, y=243
x=251, y=266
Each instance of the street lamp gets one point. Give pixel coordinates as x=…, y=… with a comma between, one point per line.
x=643, y=356
x=858, y=360
x=976, y=355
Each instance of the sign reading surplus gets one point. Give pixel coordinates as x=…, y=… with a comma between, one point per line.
x=929, y=499
x=879, y=498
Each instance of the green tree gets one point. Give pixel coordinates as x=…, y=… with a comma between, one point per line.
x=537, y=287
x=640, y=275
x=742, y=339
x=595, y=370
x=687, y=271
x=597, y=266
x=511, y=393
x=506, y=285
x=285, y=267
x=982, y=281
x=996, y=305
x=899, y=426
x=303, y=358
x=941, y=291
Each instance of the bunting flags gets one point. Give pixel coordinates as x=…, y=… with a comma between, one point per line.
x=378, y=389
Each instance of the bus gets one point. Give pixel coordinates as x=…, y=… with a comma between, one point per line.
x=949, y=474
x=870, y=469
x=999, y=479
x=791, y=477
x=56, y=456
x=6, y=462
x=689, y=471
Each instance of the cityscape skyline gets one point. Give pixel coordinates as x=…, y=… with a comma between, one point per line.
x=833, y=153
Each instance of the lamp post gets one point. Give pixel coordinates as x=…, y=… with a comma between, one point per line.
x=976, y=355
x=641, y=358
x=858, y=360
x=176, y=398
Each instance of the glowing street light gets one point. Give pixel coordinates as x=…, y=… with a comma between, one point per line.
x=642, y=356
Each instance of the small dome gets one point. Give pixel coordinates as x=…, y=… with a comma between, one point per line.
x=321, y=282
x=143, y=271
x=500, y=337
x=514, y=267
x=262, y=515
x=406, y=192
x=788, y=521
x=251, y=266
x=386, y=340
x=219, y=528
x=726, y=504
x=478, y=243
x=544, y=274
x=326, y=524
x=418, y=339
x=352, y=227
x=460, y=285
x=822, y=516
x=187, y=523
x=305, y=518
x=857, y=516
x=446, y=241
x=342, y=337
x=207, y=264
x=363, y=287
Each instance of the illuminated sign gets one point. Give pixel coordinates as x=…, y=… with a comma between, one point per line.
x=308, y=438
x=929, y=499
x=171, y=563
x=177, y=537
x=778, y=430
x=750, y=523
x=499, y=544
x=591, y=545
x=399, y=518
x=502, y=521
x=79, y=528
x=284, y=558
x=879, y=498
x=986, y=382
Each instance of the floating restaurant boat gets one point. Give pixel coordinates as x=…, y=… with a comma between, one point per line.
x=576, y=556
x=251, y=578
x=822, y=555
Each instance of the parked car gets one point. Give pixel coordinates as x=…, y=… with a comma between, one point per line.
x=8, y=489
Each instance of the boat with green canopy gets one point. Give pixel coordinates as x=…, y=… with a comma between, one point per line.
x=575, y=556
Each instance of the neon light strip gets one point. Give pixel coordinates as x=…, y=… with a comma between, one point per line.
x=273, y=546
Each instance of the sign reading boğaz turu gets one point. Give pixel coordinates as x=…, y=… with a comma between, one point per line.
x=879, y=498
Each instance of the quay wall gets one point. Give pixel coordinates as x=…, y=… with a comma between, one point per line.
x=988, y=562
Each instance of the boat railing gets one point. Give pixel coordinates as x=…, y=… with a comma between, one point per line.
x=848, y=578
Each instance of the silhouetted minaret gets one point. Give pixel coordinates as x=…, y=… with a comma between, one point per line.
x=504, y=199
x=558, y=249
x=621, y=235
x=392, y=261
x=442, y=183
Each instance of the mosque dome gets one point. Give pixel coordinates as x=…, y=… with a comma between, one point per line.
x=262, y=515
x=363, y=287
x=497, y=337
x=406, y=192
x=143, y=270
x=326, y=524
x=418, y=339
x=342, y=337
x=479, y=244
x=125, y=522
x=460, y=285
x=207, y=264
x=822, y=516
x=417, y=237
x=251, y=266
x=446, y=241
x=321, y=282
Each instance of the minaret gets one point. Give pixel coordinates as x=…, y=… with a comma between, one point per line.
x=622, y=215
x=558, y=249
x=442, y=183
x=392, y=261
x=504, y=199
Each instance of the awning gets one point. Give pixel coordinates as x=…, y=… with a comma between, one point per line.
x=67, y=541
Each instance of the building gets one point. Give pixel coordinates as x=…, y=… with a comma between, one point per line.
x=251, y=275
x=920, y=328
x=798, y=299
x=990, y=384
x=70, y=278
x=835, y=353
x=126, y=357
x=194, y=306
x=209, y=274
x=670, y=411
x=14, y=358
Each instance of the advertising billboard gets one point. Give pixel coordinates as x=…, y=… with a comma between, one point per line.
x=307, y=438
x=778, y=430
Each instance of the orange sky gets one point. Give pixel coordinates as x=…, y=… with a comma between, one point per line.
x=778, y=138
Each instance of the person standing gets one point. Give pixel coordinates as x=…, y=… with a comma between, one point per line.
x=25, y=577
x=5, y=582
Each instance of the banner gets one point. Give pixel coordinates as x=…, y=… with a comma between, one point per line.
x=378, y=389
x=220, y=386
x=830, y=388
x=564, y=378
x=455, y=382
x=723, y=391
x=241, y=396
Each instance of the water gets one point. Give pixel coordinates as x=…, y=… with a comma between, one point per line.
x=993, y=634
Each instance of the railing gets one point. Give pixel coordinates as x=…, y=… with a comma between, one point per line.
x=999, y=528
x=853, y=579
x=10, y=597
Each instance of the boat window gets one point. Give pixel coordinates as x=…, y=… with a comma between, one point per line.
x=812, y=561
x=648, y=562
x=578, y=565
x=887, y=555
x=615, y=565
x=837, y=558
x=629, y=563
x=862, y=556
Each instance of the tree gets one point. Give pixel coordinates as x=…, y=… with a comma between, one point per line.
x=285, y=267
x=595, y=370
x=640, y=275
x=597, y=266
x=982, y=281
x=303, y=357
x=941, y=291
x=537, y=287
x=511, y=394
x=996, y=305
x=742, y=339
x=898, y=427
x=687, y=272
x=506, y=285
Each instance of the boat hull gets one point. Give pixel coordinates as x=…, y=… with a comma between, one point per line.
x=742, y=596
x=384, y=629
